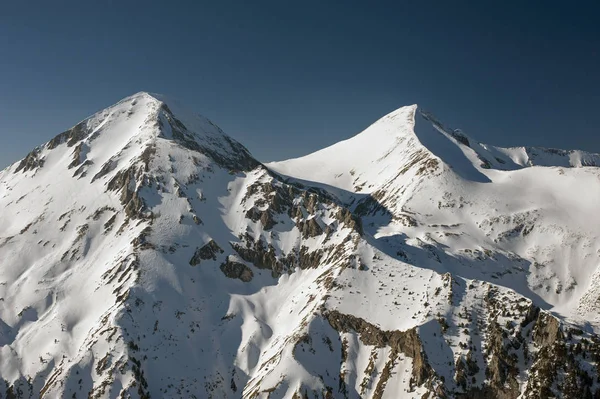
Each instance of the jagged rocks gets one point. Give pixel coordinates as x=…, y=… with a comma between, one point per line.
x=309, y=228
x=349, y=220
x=78, y=155
x=406, y=220
x=71, y=136
x=206, y=252
x=406, y=342
x=277, y=197
x=141, y=241
x=31, y=162
x=100, y=211
x=559, y=366
x=147, y=156
x=109, y=224
x=106, y=168
x=371, y=205
x=265, y=217
x=310, y=201
x=309, y=259
x=466, y=368
x=81, y=170
x=125, y=181
x=233, y=269
x=546, y=330
x=261, y=256
x=502, y=370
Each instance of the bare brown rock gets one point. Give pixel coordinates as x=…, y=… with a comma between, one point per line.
x=406, y=342
x=208, y=251
x=233, y=269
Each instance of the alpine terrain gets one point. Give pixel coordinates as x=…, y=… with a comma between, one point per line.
x=146, y=254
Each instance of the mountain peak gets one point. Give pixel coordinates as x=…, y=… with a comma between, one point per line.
x=126, y=129
x=145, y=253
x=372, y=155
x=413, y=141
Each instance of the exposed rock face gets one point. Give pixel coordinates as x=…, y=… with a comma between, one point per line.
x=265, y=217
x=31, y=162
x=406, y=342
x=350, y=220
x=125, y=182
x=309, y=228
x=502, y=367
x=546, y=330
x=208, y=251
x=258, y=254
x=71, y=136
x=78, y=154
x=233, y=269
x=556, y=363
x=560, y=366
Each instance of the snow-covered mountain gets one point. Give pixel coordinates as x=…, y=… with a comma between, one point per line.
x=144, y=253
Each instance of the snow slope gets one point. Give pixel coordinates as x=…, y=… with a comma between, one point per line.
x=435, y=185
x=144, y=253
x=362, y=162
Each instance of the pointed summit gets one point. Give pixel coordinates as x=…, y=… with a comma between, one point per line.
x=363, y=161
x=128, y=128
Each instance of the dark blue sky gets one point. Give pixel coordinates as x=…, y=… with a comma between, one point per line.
x=288, y=79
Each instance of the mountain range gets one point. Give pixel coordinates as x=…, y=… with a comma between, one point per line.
x=146, y=254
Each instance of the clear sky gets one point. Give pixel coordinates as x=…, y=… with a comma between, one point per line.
x=286, y=78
